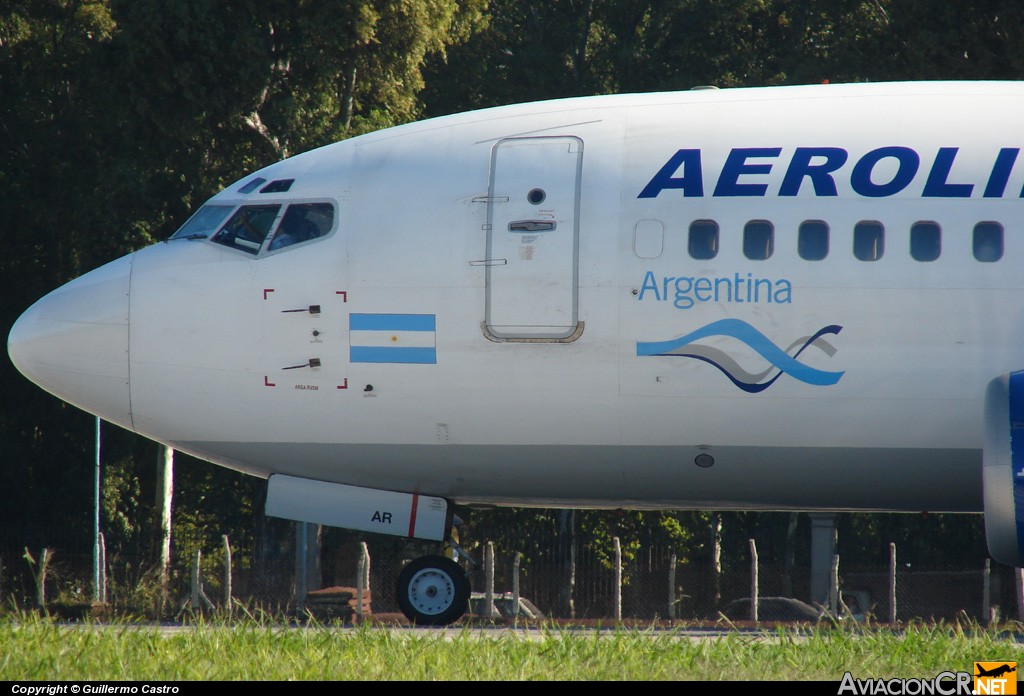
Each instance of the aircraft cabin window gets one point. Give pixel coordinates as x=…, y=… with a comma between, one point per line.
x=868, y=240
x=703, y=243
x=812, y=240
x=248, y=227
x=758, y=240
x=925, y=241
x=301, y=223
x=988, y=241
x=648, y=239
x=203, y=222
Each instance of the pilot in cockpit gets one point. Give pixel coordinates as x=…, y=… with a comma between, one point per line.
x=246, y=229
x=293, y=229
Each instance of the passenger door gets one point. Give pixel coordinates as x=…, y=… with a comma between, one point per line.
x=533, y=239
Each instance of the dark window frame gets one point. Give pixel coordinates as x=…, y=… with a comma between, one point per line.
x=805, y=246
x=758, y=240
x=985, y=250
x=868, y=240
x=703, y=238
x=925, y=241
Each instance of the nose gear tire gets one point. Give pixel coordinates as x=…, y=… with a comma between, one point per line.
x=433, y=591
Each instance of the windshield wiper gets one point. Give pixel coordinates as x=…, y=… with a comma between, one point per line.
x=189, y=236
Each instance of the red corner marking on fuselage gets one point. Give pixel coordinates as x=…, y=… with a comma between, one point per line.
x=267, y=291
x=412, y=514
x=267, y=382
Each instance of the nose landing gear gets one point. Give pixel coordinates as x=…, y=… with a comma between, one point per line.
x=433, y=591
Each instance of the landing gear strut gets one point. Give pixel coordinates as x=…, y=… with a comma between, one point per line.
x=433, y=591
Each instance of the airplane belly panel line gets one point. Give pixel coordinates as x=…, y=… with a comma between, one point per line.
x=789, y=302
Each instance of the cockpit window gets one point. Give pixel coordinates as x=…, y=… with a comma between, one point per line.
x=248, y=227
x=204, y=222
x=252, y=185
x=279, y=186
x=302, y=222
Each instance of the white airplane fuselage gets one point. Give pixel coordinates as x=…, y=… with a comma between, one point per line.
x=458, y=334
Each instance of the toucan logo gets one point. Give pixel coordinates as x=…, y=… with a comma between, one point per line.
x=782, y=361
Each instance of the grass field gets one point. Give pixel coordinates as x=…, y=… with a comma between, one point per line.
x=40, y=649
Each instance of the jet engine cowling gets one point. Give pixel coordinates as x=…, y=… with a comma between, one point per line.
x=1003, y=468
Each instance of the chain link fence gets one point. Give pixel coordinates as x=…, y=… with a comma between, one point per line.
x=562, y=582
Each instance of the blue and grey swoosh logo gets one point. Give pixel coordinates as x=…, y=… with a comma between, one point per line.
x=781, y=359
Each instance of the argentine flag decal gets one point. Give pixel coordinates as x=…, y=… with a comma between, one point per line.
x=392, y=338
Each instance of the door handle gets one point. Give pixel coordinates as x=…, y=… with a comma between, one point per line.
x=532, y=226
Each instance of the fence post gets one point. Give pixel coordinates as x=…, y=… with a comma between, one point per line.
x=618, y=579
x=165, y=494
x=892, y=582
x=195, y=580
x=103, y=569
x=96, y=588
x=754, y=601
x=366, y=571
x=564, y=550
x=489, y=580
x=360, y=583
x=572, y=579
x=672, y=587
x=516, y=561
x=715, y=532
x=362, y=579
x=833, y=586
x=227, y=574
x=44, y=561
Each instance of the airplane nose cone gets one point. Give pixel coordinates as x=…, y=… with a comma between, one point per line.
x=74, y=342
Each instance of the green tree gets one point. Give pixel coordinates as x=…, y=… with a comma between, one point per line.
x=933, y=40
x=117, y=118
